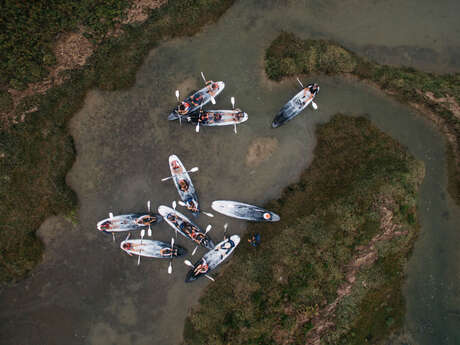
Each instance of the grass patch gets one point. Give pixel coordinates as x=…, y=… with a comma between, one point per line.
x=37, y=153
x=271, y=293
x=289, y=55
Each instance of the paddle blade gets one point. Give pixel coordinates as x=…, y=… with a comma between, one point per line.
x=234, y=128
x=138, y=260
x=232, y=99
x=314, y=105
x=202, y=76
x=174, y=204
x=194, y=250
x=148, y=205
x=170, y=268
x=213, y=101
x=110, y=215
x=300, y=82
x=225, y=226
x=195, y=169
x=177, y=95
x=181, y=203
x=208, y=214
x=208, y=228
x=188, y=263
x=209, y=277
x=197, y=128
x=127, y=237
x=172, y=242
x=166, y=178
x=150, y=232
x=142, y=233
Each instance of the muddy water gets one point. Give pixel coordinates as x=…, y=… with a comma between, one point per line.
x=87, y=291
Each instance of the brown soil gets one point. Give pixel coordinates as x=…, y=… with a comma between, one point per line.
x=260, y=150
x=138, y=12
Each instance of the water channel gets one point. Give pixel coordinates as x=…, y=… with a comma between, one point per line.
x=87, y=291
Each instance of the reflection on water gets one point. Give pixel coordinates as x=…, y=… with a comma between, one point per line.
x=123, y=140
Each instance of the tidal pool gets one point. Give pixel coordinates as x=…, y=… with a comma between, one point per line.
x=87, y=291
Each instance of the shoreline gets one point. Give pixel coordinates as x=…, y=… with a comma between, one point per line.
x=39, y=151
x=424, y=92
x=338, y=254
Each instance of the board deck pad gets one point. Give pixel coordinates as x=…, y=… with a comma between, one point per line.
x=214, y=257
x=152, y=249
x=127, y=222
x=197, y=99
x=185, y=227
x=244, y=211
x=293, y=108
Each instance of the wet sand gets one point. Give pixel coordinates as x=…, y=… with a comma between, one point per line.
x=87, y=291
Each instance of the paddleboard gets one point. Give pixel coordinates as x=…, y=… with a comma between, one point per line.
x=127, y=222
x=185, y=227
x=213, y=258
x=151, y=249
x=241, y=210
x=184, y=184
x=196, y=100
x=293, y=108
x=219, y=117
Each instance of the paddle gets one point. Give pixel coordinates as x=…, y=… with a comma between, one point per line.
x=207, y=230
x=150, y=229
x=113, y=234
x=188, y=263
x=206, y=213
x=174, y=207
x=225, y=230
x=232, y=100
x=300, y=83
x=170, y=261
x=140, y=251
x=177, y=95
x=213, y=101
x=195, y=169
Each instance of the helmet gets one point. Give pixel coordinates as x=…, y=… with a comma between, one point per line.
x=267, y=216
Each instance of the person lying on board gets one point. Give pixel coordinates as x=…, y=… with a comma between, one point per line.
x=191, y=206
x=168, y=252
x=201, y=268
x=212, y=87
x=145, y=220
x=227, y=246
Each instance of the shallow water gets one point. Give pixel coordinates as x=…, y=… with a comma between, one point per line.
x=87, y=291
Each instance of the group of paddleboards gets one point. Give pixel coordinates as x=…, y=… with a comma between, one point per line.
x=191, y=108
x=181, y=224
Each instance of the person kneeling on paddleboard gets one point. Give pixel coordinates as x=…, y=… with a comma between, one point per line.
x=201, y=268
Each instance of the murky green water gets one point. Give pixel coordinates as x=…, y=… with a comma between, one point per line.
x=87, y=291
